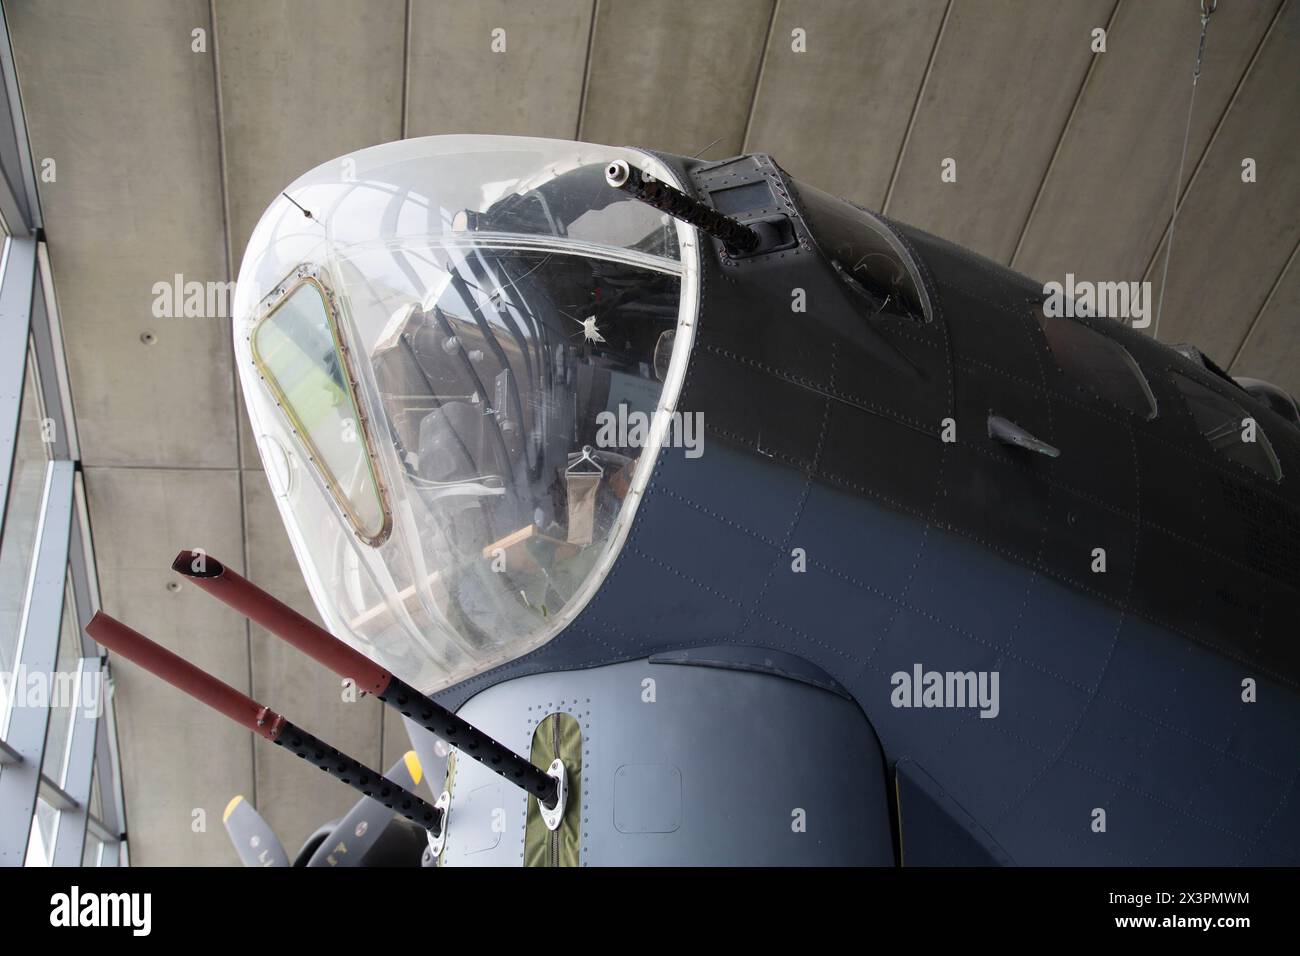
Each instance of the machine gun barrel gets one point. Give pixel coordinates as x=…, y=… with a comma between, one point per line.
x=736, y=236
x=287, y=624
x=246, y=712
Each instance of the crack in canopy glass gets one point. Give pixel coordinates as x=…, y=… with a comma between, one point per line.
x=429, y=348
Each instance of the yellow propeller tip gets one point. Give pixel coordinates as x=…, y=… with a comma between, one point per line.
x=413, y=766
x=230, y=807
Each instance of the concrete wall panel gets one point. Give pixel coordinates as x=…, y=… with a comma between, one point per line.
x=530, y=85
x=835, y=114
x=1103, y=209
x=675, y=75
x=115, y=94
x=177, y=755
x=1233, y=238
x=1003, y=82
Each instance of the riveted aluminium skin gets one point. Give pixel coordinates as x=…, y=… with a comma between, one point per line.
x=248, y=713
x=811, y=427
x=287, y=624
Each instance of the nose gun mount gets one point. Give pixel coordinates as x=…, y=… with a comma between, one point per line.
x=738, y=238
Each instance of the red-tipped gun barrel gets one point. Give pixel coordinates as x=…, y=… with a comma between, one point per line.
x=246, y=712
x=281, y=620
x=183, y=675
x=316, y=642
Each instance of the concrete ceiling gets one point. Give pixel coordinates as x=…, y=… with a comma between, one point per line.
x=165, y=158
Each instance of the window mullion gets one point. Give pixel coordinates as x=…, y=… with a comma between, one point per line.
x=16, y=285
x=71, y=837
x=37, y=656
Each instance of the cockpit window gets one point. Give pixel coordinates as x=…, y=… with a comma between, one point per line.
x=463, y=364
x=580, y=205
x=296, y=347
x=1098, y=364
x=518, y=394
x=868, y=259
x=1229, y=428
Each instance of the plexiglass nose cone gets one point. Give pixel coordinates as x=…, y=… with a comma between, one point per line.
x=443, y=345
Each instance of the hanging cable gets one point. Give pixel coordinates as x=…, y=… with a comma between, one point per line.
x=1206, y=13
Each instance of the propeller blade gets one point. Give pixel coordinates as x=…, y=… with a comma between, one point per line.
x=254, y=840
x=371, y=834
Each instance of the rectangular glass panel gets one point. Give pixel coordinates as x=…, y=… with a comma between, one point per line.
x=90, y=855
x=40, y=842
x=22, y=514
x=63, y=689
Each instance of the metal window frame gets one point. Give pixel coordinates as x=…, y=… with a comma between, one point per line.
x=319, y=280
x=63, y=553
x=51, y=364
x=38, y=646
x=85, y=586
x=116, y=852
x=88, y=733
x=62, y=556
x=79, y=765
x=20, y=203
x=17, y=288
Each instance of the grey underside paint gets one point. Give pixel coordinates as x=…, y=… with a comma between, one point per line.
x=705, y=765
x=1098, y=709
